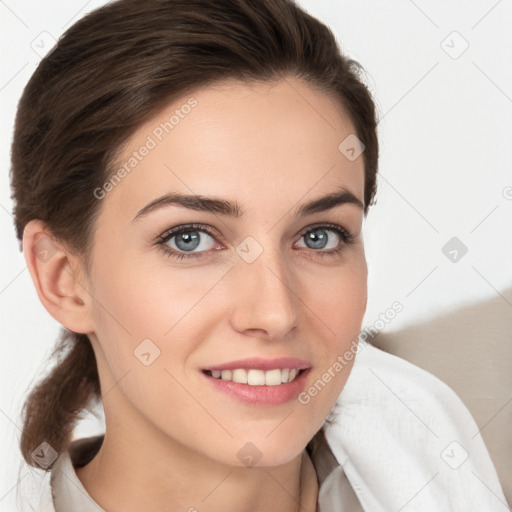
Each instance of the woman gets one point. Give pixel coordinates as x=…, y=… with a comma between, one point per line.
x=190, y=180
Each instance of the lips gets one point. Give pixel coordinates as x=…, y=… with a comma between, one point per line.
x=260, y=381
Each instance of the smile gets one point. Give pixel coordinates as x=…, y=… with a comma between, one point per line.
x=258, y=387
x=255, y=377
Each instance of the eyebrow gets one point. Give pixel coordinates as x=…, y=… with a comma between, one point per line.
x=233, y=209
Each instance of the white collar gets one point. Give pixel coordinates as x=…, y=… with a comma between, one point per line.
x=335, y=493
x=68, y=493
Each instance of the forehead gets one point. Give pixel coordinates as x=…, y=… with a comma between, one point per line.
x=255, y=142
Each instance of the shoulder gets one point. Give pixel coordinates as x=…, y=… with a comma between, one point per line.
x=399, y=430
x=394, y=380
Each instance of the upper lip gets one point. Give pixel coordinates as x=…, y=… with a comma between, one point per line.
x=258, y=363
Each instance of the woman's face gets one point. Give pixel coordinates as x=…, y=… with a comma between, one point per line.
x=258, y=276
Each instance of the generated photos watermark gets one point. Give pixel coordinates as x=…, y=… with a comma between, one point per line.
x=356, y=346
x=157, y=135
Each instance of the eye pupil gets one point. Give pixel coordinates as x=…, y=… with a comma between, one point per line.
x=187, y=241
x=318, y=237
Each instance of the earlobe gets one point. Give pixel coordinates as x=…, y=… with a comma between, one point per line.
x=54, y=271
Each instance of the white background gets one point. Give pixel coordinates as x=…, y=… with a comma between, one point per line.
x=445, y=135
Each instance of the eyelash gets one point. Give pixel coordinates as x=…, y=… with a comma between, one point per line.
x=347, y=238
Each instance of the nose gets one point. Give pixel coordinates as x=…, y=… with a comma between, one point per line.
x=265, y=302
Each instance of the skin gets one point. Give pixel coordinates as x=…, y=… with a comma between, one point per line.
x=171, y=439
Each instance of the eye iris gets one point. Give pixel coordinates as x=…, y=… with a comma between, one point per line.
x=187, y=241
x=318, y=238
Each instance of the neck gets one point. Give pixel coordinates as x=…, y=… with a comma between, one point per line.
x=130, y=473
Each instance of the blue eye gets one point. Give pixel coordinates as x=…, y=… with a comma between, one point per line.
x=190, y=240
x=320, y=238
x=326, y=239
x=186, y=239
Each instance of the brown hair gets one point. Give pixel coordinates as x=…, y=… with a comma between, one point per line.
x=110, y=72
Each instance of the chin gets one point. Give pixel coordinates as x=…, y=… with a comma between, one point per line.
x=266, y=452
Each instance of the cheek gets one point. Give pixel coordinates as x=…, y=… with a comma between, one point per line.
x=148, y=320
x=347, y=309
x=340, y=304
x=137, y=298
x=340, y=298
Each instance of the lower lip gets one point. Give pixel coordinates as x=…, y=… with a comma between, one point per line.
x=261, y=395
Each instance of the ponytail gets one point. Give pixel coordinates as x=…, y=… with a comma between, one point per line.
x=51, y=410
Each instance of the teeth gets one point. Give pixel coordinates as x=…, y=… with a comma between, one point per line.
x=240, y=376
x=272, y=377
x=257, y=377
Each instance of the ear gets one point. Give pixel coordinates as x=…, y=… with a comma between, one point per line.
x=56, y=274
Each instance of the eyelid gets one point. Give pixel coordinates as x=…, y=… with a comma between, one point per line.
x=183, y=228
x=345, y=234
x=210, y=230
